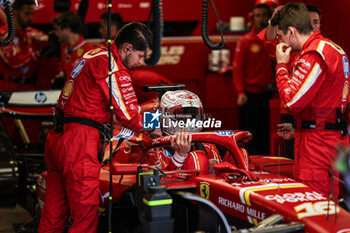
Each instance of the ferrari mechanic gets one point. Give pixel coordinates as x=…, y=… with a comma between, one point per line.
x=315, y=91
x=69, y=31
x=252, y=78
x=18, y=62
x=270, y=40
x=72, y=148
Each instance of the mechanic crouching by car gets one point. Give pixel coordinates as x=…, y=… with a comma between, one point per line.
x=71, y=150
x=315, y=91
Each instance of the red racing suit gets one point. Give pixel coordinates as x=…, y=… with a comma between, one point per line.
x=252, y=68
x=18, y=61
x=317, y=88
x=71, y=156
x=270, y=47
x=70, y=57
x=195, y=160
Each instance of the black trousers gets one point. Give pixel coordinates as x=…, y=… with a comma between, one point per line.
x=255, y=117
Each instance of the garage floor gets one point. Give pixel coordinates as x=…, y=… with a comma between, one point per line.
x=9, y=217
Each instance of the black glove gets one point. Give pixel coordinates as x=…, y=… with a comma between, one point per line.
x=58, y=83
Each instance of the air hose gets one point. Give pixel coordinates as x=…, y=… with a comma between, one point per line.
x=11, y=24
x=205, y=36
x=157, y=29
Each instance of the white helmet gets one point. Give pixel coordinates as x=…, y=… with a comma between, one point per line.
x=180, y=105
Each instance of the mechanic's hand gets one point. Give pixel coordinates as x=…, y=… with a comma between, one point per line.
x=271, y=31
x=181, y=142
x=242, y=99
x=58, y=81
x=286, y=131
x=283, y=53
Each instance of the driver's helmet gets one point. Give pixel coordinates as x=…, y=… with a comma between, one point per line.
x=180, y=105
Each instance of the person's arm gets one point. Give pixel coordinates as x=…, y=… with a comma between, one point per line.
x=238, y=71
x=125, y=105
x=16, y=59
x=299, y=88
x=269, y=42
x=58, y=80
x=181, y=143
x=269, y=37
x=285, y=131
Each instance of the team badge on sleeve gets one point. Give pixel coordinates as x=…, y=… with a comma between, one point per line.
x=346, y=66
x=78, y=68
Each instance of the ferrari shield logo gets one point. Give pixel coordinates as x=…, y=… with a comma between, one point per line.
x=204, y=190
x=80, y=52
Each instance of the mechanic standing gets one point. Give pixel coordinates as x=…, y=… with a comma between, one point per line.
x=116, y=24
x=71, y=153
x=268, y=36
x=69, y=31
x=315, y=91
x=252, y=75
x=18, y=60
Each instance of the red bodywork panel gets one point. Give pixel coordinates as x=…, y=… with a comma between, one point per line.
x=251, y=189
x=272, y=164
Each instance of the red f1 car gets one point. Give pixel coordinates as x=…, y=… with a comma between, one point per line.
x=242, y=194
x=249, y=194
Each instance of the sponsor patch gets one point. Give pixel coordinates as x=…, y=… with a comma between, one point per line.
x=346, y=66
x=124, y=133
x=80, y=52
x=295, y=197
x=68, y=89
x=345, y=91
x=167, y=153
x=78, y=68
x=224, y=132
x=255, y=48
x=40, y=97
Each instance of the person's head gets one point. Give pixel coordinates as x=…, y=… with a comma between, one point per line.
x=116, y=24
x=66, y=24
x=315, y=15
x=23, y=13
x=134, y=41
x=180, y=105
x=293, y=23
x=271, y=3
x=261, y=15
